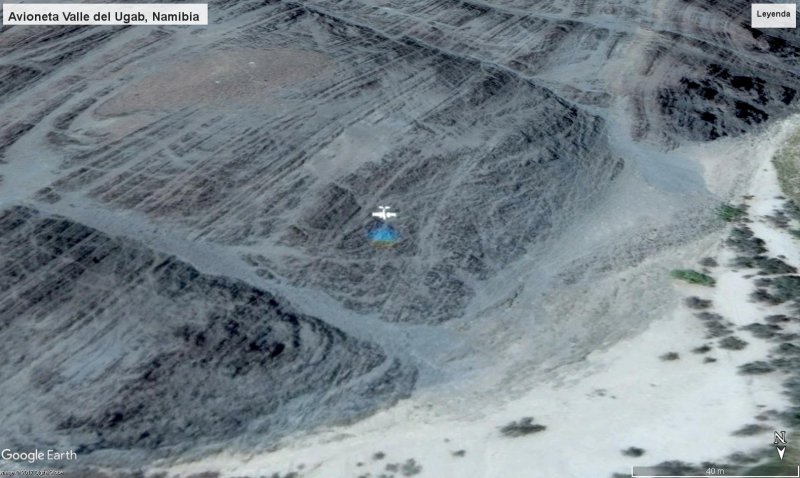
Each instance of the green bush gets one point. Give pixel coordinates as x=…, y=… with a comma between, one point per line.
x=693, y=277
x=729, y=213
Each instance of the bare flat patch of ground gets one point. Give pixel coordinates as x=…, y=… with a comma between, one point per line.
x=219, y=78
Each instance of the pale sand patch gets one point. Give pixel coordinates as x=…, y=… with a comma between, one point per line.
x=114, y=128
x=734, y=284
x=218, y=78
x=730, y=164
x=769, y=191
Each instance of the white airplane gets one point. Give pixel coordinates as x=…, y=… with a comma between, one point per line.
x=384, y=214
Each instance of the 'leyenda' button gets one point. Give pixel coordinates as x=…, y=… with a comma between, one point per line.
x=774, y=15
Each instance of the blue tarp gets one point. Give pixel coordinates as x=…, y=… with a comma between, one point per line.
x=383, y=235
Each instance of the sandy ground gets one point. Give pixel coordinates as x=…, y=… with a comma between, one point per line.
x=684, y=409
x=223, y=78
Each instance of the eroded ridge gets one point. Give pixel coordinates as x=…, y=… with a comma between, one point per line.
x=109, y=346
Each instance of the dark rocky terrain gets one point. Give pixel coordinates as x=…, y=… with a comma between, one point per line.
x=280, y=126
x=109, y=345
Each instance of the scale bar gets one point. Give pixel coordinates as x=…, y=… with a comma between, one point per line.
x=633, y=475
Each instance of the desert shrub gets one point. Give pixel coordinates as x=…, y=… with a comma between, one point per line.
x=788, y=364
x=379, y=456
x=709, y=316
x=761, y=295
x=743, y=458
x=779, y=219
x=792, y=387
x=778, y=319
x=790, y=337
x=524, y=426
x=714, y=324
x=709, y=360
x=708, y=262
x=410, y=468
x=744, y=241
x=633, y=451
x=777, y=290
x=763, y=282
x=732, y=343
x=791, y=209
x=758, y=367
x=702, y=349
x=716, y=329
x=766, y=265
x=669, y=356
x=772, y=265
x=697, y=303
x=750, y=430
x=693, y=277
x=787, y=348
x=459, y=453
x=786, y=287
x=763, y=331
x=744, y=262
x=791, y=416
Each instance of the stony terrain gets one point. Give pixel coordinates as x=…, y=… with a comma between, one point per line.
x=185, y=209
x=126, y=348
